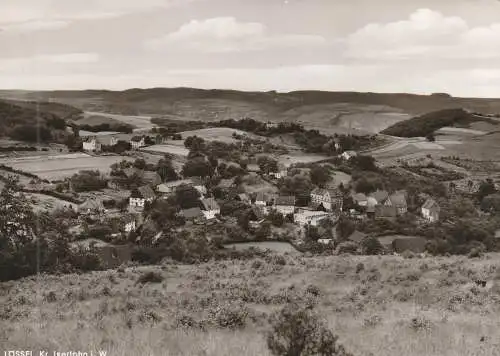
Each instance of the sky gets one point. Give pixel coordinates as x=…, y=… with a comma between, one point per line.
x=411, y=46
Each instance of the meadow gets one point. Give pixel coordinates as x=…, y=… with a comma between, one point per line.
x=377, y=305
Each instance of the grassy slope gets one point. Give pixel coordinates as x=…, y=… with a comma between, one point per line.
x=316, y=108
x=394, y=306
x=61, y=110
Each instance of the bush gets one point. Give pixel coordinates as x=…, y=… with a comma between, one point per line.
x=298, y=331
x=150, y=277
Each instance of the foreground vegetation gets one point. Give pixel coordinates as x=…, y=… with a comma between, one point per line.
x=375, y=305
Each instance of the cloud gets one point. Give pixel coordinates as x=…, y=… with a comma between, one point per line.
x=226, y=34
x=426, y=34
x=35, y=15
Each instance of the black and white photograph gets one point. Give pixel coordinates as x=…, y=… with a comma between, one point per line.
x=249, y=177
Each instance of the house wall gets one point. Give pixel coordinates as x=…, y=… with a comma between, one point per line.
x=137, y=202
x=285, y=209
x=210, y=214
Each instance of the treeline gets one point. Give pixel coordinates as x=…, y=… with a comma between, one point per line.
x=422, y=126
x=124, y=128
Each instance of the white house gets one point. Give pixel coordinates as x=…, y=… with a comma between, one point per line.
x=210, y=208
x=137, y=142
x=199, y=186
x=130, y=223
x=140, y=196
x=91, y=144
x=347, y=155
x=285, y=204
x=310, y=217
x=431, y=210
x=330, y=199
x=281, y=173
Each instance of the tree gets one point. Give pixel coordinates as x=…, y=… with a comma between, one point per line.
x=276, y=218
x=187, y=197
x=267, y=164
x=298, y=185
x=166, y=170
x=320, y=175
x=491, y=203
x=364, y=163
x=345, y=227
x=195, y=143
x=298, y=331
x=372, y=246
x=87, y=181
x=486, y=187
x=139, y=163
x=430, y=137
x=197, y=167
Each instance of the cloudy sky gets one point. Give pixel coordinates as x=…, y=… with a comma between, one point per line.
x=415, y=46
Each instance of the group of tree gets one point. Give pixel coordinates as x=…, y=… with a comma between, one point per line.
x=88, y=181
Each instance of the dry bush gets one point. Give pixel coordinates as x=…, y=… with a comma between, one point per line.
x=298, y=331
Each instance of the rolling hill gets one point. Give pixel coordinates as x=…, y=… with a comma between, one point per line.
x=341, y=111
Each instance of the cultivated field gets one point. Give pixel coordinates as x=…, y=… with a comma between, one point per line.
x=289, y=159
x=57, y=167
x=380, y=306
x=223, y=134
x=167, y=148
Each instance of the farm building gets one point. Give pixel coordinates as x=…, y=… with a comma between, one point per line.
x=253, y=168
x=306, y=217
x=398, y=200
x=210, y=208
x=169, y=187
x=264, y=199
x=243, y=197
x=140, y=196
x=431, y=210
x=137, y=142
x=285, y=204
x=330, y=199
x=400, y=243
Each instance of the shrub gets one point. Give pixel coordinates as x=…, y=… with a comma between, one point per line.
x=150, y=277
x=297, y=331
x=231, y=316
x=347, y=247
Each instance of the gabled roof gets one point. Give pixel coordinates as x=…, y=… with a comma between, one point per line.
x=398, y=200
x=209, y=204
x=92, y=204
x=150, y=176
x=266, y=197
x=357, y=236
x=176, y=183
x=431, y=204
x=285, y=200
x=253, y=168
x=319, y=191
x=384, y=211
x=146, y=192
x=192, y=213
x=243, y=197
x=380, y=195
x=358, y=197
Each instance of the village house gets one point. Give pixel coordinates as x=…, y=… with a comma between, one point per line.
x=280, y=173
x=192, y=215
x=137, y=142
x=170, y=187
x=197, y=184
x=264, y=199
x=329, y=199
x=307, y=217
x=385, y=212
x=130, y=223
x=210, y=208
x=398, y=200
x=285, y=204
x=359, y=199
x=140, y=196
x=431, y=210
x=379, y=196
x=91, y=144
x=253, y=168
x=347, y=155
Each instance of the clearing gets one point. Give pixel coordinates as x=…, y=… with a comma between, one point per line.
x=138, y=121
x=377, y=305
x=222, y=134
x=177, y=150
x=290, y=159
x=58, y=167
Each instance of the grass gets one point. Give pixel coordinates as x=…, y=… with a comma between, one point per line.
x=391, y=306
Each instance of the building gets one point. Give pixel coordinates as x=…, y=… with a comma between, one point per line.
x=91, y=144
x=210, y=208
x=431, y=210
x=170, y=187
x=129, y=223
x=401, y=243
x=347, y=155
x=192, y=215
x=197, y=184
x=140, y=196
x=253, y=168
x=385, y=212
x=285, y=204
x=281, y=173
x=360, y=199
x=398, y=200
x=330, y=199
x=137, y=142
x=379, y=196
x=264, y=199
x=307, y=217
x=243, y=197
x=226, y=184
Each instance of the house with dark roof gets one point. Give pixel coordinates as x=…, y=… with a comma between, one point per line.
x=431, y=210
x=210, y=208
x=385, y=212
x=401, y=243
x=330, y=199
x=170, y=187
x=398, y=200
x=139, y=197
x=264, y=199
x=285, y=204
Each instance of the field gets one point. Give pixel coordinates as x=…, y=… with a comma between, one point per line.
x=280, y=247
x=42, y=202
x=177, y=150
x=380, y=306
x=139, y=121
x=290, y=159
x=58, y=167
x=223, y=134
